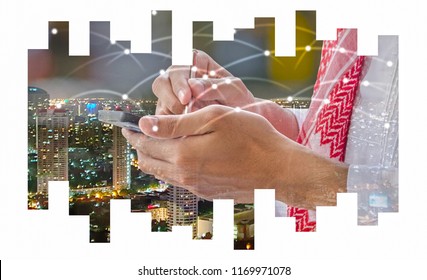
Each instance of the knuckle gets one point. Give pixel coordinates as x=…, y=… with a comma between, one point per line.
x=215, y=111
x=239, y=83
x=158, y=83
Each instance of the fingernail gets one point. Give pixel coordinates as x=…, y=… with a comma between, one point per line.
x=181, y=96
x=149, y=124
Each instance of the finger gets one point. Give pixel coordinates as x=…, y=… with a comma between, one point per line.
x=217, y=89
x=178, y=76
x=154, y=166
x=162, y=109
x=162, y=150
x=170, y=173
x=207, y=66
x=162, y=88
x=174, y=126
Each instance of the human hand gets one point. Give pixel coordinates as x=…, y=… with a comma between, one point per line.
x=221, y=152
x=216, y=152
x=212, y=84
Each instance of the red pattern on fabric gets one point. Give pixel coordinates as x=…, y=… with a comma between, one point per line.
x=333, y=121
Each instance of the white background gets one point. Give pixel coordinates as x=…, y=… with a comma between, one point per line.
x=53, y=245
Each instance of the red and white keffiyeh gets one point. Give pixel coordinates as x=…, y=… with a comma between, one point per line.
x=326, y=126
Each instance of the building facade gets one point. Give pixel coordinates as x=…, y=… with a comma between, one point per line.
x=121, y=160
x=52, y=147
x=182, y=208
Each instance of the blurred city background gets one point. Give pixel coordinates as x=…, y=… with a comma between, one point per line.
x=66, y=141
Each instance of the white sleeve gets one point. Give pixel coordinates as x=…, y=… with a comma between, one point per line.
x=300, y=115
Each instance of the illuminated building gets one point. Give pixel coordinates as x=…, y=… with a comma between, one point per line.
x=182, y=208
x=158, y=213
x=52, y=147
x=121, y=160
x=38, y=99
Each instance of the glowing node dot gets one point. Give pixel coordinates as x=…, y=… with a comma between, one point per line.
x=290, y=98
x=162, y=72
x=205, y=77
x=237, y=109
x=154, y=12
x=267, y=53
x=155, y=128
x=54, y=31
x=386, y=125
x=227, y=81
x=345, y=80
x=194, y=69
x=214, y=86
x=342, y=50
x=212, y=73
x=365, y=83
x=389, y=63
x=58, y=105
x=126, y=51
x=308, y=48
x=125, y=96
x=113, y=42
x=326, y=101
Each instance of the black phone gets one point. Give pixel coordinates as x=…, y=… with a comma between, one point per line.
x=120, y=118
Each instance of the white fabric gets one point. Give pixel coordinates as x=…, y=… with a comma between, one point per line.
x=372, y=146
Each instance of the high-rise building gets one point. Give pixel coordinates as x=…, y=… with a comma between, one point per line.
x=182, y=208
x=52, y=147
x=38, y=99
x=121, y=160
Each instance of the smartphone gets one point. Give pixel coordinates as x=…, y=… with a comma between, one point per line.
x=120, y=118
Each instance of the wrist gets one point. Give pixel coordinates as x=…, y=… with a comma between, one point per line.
x=306, y=179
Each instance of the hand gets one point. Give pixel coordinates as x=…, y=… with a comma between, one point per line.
x=220, y=152
x=175, y=89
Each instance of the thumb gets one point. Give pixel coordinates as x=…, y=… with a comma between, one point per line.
x=175, y=126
